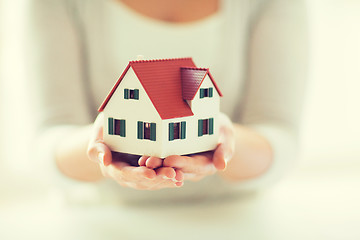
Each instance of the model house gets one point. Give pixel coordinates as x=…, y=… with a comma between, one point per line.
x=162, y=107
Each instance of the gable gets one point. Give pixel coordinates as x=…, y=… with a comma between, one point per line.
x=123, y=106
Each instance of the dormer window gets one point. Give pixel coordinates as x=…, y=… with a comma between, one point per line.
x=206, y=92
x=131, y=94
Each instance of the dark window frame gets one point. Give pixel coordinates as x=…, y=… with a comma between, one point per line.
x=131, y=93
x=177, y=130
x=205, y=127
x=117, y=127
x=206, y=92
x=146, y=130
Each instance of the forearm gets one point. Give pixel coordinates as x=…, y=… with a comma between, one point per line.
x=71, y=157
x=252, y=157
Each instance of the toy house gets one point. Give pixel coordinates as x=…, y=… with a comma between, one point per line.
x=162, y=107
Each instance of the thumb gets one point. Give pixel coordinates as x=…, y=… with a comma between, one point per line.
x=97, y=150
x=219, y=160
x=100, y=153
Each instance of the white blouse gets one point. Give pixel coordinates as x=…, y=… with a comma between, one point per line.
x=256, y=51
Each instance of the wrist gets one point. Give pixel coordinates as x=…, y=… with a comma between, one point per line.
x=252, y=157
x=71, y=158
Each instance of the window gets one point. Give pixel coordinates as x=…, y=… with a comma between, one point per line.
x=116, y=127
x=131, y=94
x=205, y=127
x=206, y=92
x=177, y=130
x=146, y=131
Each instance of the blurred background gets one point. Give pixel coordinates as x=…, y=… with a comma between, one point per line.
x=319, y=200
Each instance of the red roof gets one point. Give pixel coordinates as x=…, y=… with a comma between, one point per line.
x=192, y=78
x=167, y=82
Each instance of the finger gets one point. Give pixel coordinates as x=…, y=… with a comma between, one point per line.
x=138, y=178
x=100, y=153
x=198, y=164
x=113, y=169
x=175, y=161
x=219, y=158
x=179, y=175
x=228, y=147
x=124, y=173
x=142, y=160
x=138, y=173
x=104, y=171
x=167, y=172
x=179, y=184
x=153, y=162
x=97, y=151
x=164, y=183
x=227, y=137
x=97, y=133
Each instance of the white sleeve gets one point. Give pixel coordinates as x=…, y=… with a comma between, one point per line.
x=56, y=77
x=277, y=74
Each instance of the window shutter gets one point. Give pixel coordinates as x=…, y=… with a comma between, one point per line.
x=111, y=126
x=183, y=130
x=140, y=130
x=210, y=92
x=153, y=131
x=211, y=126
x=126, y=93
x=202, y=93
x=136, y=94
x=200, y=128
x=171, y=131
x=122, y=128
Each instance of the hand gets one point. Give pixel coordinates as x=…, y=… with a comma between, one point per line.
x=197, y=166
x=122, y=172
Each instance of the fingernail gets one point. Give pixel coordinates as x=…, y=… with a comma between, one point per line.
x=227, y=157
x=101, y=157
x=150, y=177
x=179, y=184
x=221, y=138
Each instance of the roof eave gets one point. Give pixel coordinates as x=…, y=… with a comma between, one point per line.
x=108, y=97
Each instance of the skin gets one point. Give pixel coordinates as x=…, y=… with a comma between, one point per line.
x=241, y=154
x=174, y=11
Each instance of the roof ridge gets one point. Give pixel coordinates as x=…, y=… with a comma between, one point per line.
x=160, y=60
x=195, y=68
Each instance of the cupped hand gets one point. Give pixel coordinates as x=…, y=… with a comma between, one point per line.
x=197, y=166
x=137, y=177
